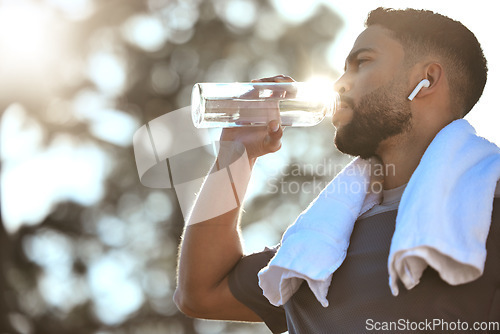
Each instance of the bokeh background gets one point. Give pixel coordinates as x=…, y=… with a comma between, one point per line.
x=85, y=248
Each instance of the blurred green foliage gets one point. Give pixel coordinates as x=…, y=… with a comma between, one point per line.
x=108, y=266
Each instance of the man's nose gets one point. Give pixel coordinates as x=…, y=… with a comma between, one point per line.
x=342, y=85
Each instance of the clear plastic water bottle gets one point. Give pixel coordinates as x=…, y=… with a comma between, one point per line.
x=256, y=103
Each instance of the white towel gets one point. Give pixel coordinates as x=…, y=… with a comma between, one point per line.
x=445, y=212
x=316, y=244
x=443, y=219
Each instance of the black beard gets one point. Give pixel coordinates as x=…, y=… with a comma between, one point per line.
x=378, y=116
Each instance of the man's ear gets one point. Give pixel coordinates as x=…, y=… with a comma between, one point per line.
x=434, y=72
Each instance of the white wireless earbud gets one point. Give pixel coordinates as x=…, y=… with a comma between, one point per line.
x=423, y=83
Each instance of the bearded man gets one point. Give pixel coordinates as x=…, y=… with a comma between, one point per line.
x=433, y=233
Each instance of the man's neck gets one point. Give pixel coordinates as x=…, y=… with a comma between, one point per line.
x=401, y=155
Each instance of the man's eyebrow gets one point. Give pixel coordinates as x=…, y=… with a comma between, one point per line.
x=352, y=56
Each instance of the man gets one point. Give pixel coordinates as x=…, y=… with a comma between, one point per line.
x=397, y=51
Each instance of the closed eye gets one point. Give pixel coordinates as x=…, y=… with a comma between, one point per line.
x=361, y=61
x=358, y=57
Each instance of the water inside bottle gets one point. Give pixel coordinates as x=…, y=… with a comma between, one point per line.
x=241, y=112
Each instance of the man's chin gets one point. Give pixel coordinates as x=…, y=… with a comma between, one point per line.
x=348, y=145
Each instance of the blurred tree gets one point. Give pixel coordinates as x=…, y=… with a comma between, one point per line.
x=105, y=263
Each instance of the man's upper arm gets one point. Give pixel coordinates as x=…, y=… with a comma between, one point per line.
x=218, y=304
x=238, y=297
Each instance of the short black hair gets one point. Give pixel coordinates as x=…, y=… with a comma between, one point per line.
x=423, y=32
